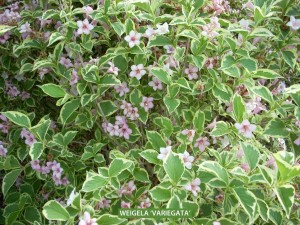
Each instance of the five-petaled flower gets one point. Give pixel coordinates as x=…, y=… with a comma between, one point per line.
x=194, y=186
x=294, y=23
x=201, y=143
x=187, y=159
x=137, y=71
x=87, y=220
x=147, y=103
x=245, y=128
x=84, y=27
x=133, y=38
x=164, y=152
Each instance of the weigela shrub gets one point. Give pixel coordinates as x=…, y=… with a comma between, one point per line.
x=158, y=104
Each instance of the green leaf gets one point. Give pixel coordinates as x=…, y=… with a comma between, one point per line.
x=5, y=28
x=276, y=128
x=286, y=195
x=227, y=62
x=53, y=90
x=36, y=150
x=199, y=61
x=263, y=92
x=220, y=129
x=32, y=214
x=162, y=75
x=188, y=34
x=42, y=64
x=93, y=183
x=117, y=166
x=136, y=97
x=18, y=118
x=160, y=194
x=141, y=175
x=68, y=109
x=266, y=74
x=108, y=107
x=217, y=170
x=198, y=121
x=109, y=80
x=9, y=179
x=290, y=57
x=171, y=103
x=275, y=215
x=150, y=156
x=107, y=219
x=56, y=36
x=129, y=26
x=261, y=32
x=249, y=64
x=159, y=40
x=118, y=28
x=251, y=154
x=155, y=140
x=263, y=209
x=238, y=108
x=174, y=167
x=247, y=200
x=53, y=210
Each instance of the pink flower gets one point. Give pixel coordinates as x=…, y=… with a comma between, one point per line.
x=271, y=162
x=164, y=152
x=294, y=23
x=187, y=159
x=25, y=28
x=121, y=120
x=212, y=124
x=255, y=106
x=244, y=24
x=87, y=9
x=249, y=5
x=3, y=151
x=189, y=133
x=30, y=139
x=127, y=189
x=162, y=29
x=66, y=62
x=125, y=205
x=113, y=69
x=133, y=38
x=4, y=37
x=216, y=223
x=74, y=77
x=209, y=29
x=194, y=186
x=113, y=130
x=150, y=32
x=201, y=143
x=87, y=220
x=297, y=141
x=137, y=71
x=245, y=167
x=156, y=84
x=245, y=128
x=240, y=153
x=126, y=106
x=125, y=131
x=104, y=203
x=121, y=89
x=133, y=113
x=84, y=27
x=170, y=49
x=147, y=103
x=191, y=72
x=145, y=204
x=35, y=164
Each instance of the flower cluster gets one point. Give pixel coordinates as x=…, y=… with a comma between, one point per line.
x=29, y=137
x=3, y=150
x=53, y=166
x=120, y=128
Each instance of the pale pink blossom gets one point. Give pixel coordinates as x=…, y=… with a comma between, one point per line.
x=125, y=205
x=240, y=153
x=66, y=62
x=245, y=167
x=202, y=143
x=194, y=186
x=189, y=133
x=113, y=69
x=191, y=72
x=297, y=141
x=156, y=84
x=121, y=120
x=133, y=38
x=147, y=103
x=3, y=151
x=245, y=128
x=84, y=27
x=87, y=10
x=294, y=23
x=104, y=203
x=137, y=71
x=254, y=106
x=74, y=77
x=127, y=189
x=121, y=89
x=87, y=220
x=25, y=28
x=35, y=164
x=145, y=204
x=125, y=131
x=162, y=28
x=170, y=49
x=248, y=5
x=164, y=152
x=216, y=223
x=113, y=130
x=150, y=32
x=187, y=159
x=244, y=24
x=127, y=107
x=209, y=30
x=271, y=162
x=212, y=124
